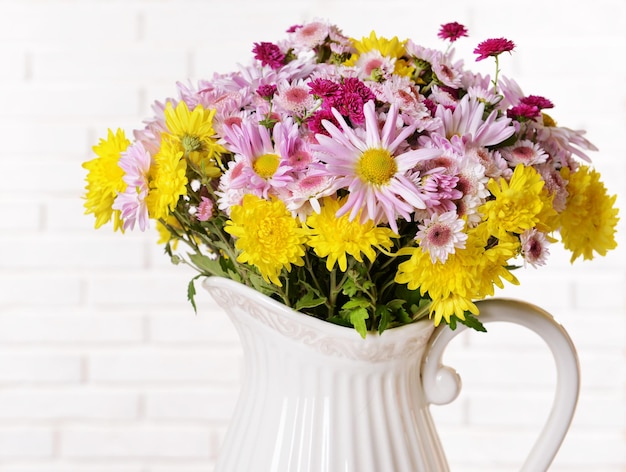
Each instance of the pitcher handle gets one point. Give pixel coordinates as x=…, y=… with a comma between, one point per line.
x=442, y=384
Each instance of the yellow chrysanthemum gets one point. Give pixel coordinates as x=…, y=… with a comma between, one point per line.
x=468, y=274
x=165, y=235
x=268, y=236
x=336, y=237
x=387, y=47
x=589, y=220
x=168, y=182
x=517, y=204
x=105, y=179
x=392, y=48
x=193, y=131
x=491, y=267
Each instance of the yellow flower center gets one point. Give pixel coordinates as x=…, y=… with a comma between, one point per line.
x=548, y=120
x=266, y=165
x=376, y=166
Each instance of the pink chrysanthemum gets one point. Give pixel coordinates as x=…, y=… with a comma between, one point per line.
x=493, y=47
x=227, y=195
x=534, y=247
x=441, y=235
x=372, y=165
x=294, y=98
x=452, y=31
x=467, y=122
x=524, y=152
x=440, y=191
x=448, y=74
x=264, y=154
x=310, y=35
x=302, y=196
x=205, y=209
x=135, y=162
x=373, y=60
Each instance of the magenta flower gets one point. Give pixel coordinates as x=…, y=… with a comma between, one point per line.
x=523, y=112
x=493, y=47
x=324, y=88
x=537, y=101
x=452, y=31
x=314, y=122
x=269, y=54
x=266, y=91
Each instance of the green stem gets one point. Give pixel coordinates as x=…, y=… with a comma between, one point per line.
x=422, y=312
x=495, y=80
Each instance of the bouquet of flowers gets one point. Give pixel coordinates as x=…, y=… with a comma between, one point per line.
x=367, y=182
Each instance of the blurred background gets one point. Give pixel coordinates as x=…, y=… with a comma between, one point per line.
x=104, y=367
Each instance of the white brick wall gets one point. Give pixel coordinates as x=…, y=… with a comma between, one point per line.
x=103, y=365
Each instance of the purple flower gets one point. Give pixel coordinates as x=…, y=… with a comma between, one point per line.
x=493, y=47
x=269, y=54
x=452, y=31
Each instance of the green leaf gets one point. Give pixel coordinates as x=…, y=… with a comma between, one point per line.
x=191, y=293
x=383, y=313
x=349, y=288
x=357, y=302
x=472, y=322
x=357, y=318
x=309, y=301
x=206, y=265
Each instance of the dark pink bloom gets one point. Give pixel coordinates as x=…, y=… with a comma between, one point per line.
x=537, y=101
x=352, y=84
x=430, y=105
x=452, y=31
x=269, y=54
x=324, y=88
x=523, y=112
x=266, y=91
x=493, y=47
x=294, y=28
x=315, y=121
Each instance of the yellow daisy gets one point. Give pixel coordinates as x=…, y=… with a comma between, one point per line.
x=194, y=133
x=589, y=220
x=168, y=181
x=336, y=237
x=105, y=179
x=268, y=237
x=517, y=204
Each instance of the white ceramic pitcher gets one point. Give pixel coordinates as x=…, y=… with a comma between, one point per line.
x=316, y=397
